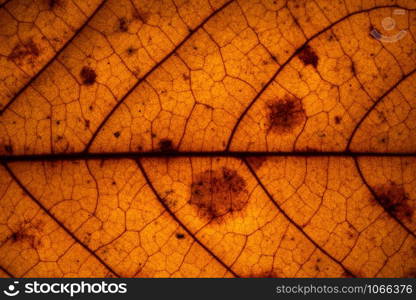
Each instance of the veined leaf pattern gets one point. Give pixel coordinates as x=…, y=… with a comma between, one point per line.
x=208, y=138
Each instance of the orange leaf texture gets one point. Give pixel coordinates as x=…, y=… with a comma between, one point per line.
x=207, y=138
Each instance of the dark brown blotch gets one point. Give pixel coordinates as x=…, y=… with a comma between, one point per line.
x=123, y=24
x=25, y=235
x=88, y=75
x=308, y=56
x=166, y=145
x=86, y=238
x=52, y=4
x=117, y=134
x=285, y=114
x=131, y=50
x=16, y=236
x=394, y=199
x=180, y=236
x=217, y=193
x=383, y=140
x=337, y=119
x=353, y=69
x=25, y=53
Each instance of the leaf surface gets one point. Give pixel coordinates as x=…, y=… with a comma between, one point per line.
x=208, y=138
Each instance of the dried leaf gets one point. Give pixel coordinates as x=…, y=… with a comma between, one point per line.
x=208, y=138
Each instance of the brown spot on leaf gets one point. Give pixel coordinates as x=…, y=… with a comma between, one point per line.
x=285, y=114
x=54, y=3
x=24, y=235
x=117, y=134
x=131, y=50
x=88, y=75
x=308, y=56
x=394, y=199
x=180, y=236
x=337, y=119
x=86, y=238
x=353, y=69
x=165, y=145
x=216, y=193
x=123, y=24
x=24, y=53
